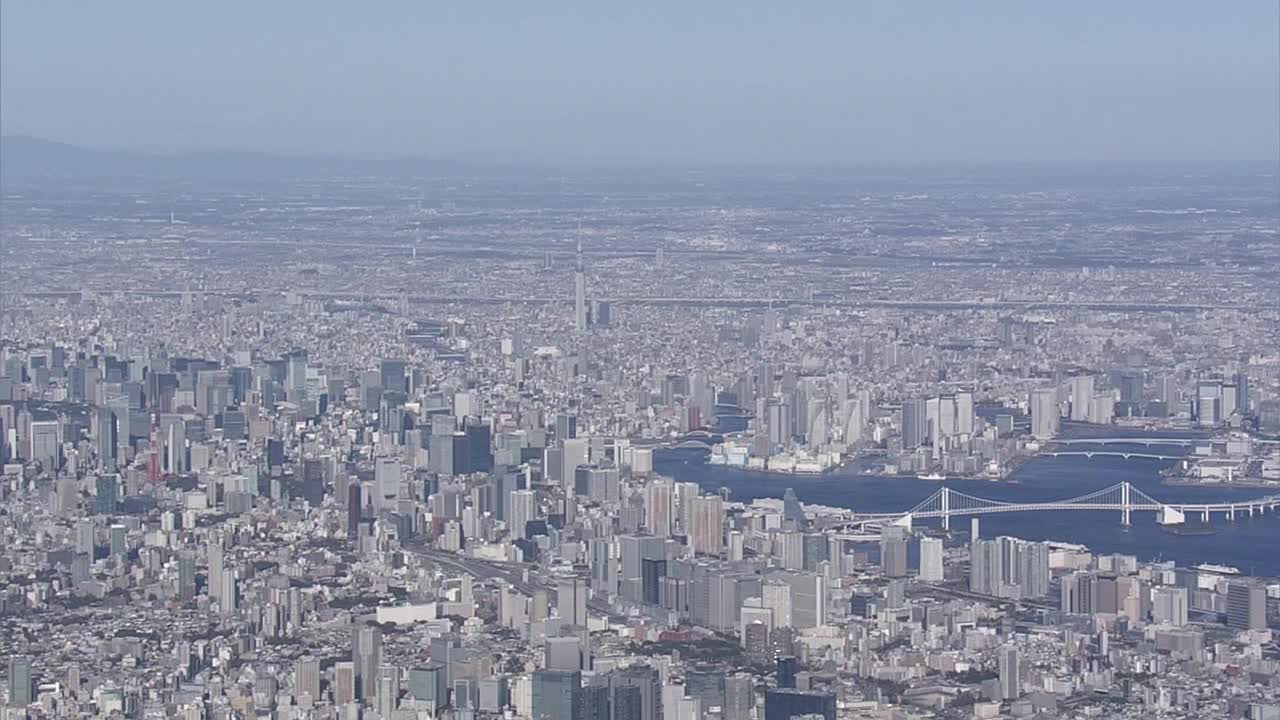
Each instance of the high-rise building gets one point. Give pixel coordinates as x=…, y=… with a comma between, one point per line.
x=964, y=413
x=521, y=509
x=808, y=599
x=1130, y=385
x=637, y=693
x=306, y=679
x=1010, y=673
x=392, y=374
x=739, y=696
x=944, y=421
x=344, y=683
x=1169, y=606
x=117, y=541
x=914, y=423
x=1246, y=607
x=787, y=667
x=657, y=507
x=1102, y=410
x=788, y=703
x=1009, y=567
x=776, y=598
x=386, y=479
x=931, y=560
x=651, y=574
x=429, y=684
x=792, y=546
x=108, y=493
x=1081, y=397
x=228, y=592
x=1208, y=408
x=707, y=524
x=556, y=695
x=355, y=508
x=792, y=510
x=45, y=444
x=366, y=655
x=817, y=549
x=186, y=577
x=388, y=690
x=1077, y=594
x=105, y=437
x=1044, y=413
x=893, y=551
x=20, y=682
x=1242, y=393
x=571, y=601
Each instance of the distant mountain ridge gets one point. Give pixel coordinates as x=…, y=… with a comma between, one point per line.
x=29, y=158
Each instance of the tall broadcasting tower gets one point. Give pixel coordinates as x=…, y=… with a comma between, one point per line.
x=153, y=453
x=579, y=293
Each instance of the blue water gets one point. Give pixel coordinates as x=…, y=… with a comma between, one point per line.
x=1250, y=544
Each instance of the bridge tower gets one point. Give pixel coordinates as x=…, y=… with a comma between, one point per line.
x=1126, y=504
x=946, y=508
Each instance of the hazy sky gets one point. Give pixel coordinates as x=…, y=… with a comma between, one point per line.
x=691, y=80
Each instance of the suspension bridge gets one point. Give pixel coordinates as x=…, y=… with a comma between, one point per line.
x=1122, y=498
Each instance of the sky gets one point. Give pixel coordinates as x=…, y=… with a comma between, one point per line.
x=1085, y=81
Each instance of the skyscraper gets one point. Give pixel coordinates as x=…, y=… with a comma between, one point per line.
x=1242, y=393
x=228, y=592
x=931, y=560
x=388, y=690
x=344, y=683
x=521, y=509
x=186, y=577
x=429, y=684
x=392, y=375
x=657, y=507
x=1044, y=413
x=791, y=509
x=306, y=679
x=571, y=601
x=1010, y=673
x=707, y=516
x=914, y=428
x=556, y=695
x=1246, y=607
x=366, y=655
x=1081, y=397
x=893, y=551
x=964, y=413
x=1169, y=606
x=107, y=487
x=20, y=681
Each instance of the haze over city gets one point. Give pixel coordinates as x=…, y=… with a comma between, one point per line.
x=719, y=82
x=640, y=361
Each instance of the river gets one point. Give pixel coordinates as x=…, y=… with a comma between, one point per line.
x=1250, y=544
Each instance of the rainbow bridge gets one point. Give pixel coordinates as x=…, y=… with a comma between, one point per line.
x=1123, y=498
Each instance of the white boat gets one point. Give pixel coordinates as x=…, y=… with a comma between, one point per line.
x=932, y=476
x=1219, y=569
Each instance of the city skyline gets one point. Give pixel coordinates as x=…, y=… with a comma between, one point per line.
x=852, y=361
